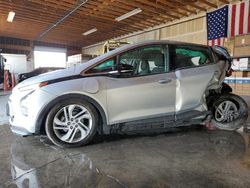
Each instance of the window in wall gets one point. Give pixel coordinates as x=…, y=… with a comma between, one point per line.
x=49, y=57
x=144, y=61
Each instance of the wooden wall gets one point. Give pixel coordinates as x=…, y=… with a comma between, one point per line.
x=192, y=29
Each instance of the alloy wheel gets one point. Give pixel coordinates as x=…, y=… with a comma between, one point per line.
x=72, y=123
x=226, y=111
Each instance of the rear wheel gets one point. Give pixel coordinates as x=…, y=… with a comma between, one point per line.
x=71, y=123
x=229, y=112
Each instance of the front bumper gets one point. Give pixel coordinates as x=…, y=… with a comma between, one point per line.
x=20, y=131
x=25, y=124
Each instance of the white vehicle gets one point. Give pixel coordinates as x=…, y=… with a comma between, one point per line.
x=148, y=85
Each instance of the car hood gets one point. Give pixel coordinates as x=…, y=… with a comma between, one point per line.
x=75, y=70
x=48, y=76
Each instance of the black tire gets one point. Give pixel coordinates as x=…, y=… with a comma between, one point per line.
x=242, y=110
x=52, y=113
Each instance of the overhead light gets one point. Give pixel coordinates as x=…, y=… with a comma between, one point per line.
x=11, y=16
x=129, y=14
x=90, y=31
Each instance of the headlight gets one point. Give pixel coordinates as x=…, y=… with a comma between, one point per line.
x=29, y=87
x=33, y=87
x=26, y=93
x=24, y=101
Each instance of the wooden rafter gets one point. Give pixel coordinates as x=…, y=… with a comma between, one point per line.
x=33, y=17
x=209, y=3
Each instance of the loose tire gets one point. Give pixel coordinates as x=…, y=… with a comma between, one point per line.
x=230, y=112
x=71, y=123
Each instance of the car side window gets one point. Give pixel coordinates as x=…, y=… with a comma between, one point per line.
x=190, y=56
x=104, y=67
x=144, y=61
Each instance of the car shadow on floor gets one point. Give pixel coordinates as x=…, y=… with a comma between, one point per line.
x=97, y=139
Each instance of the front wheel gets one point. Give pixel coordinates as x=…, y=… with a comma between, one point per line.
x=71, y=123
x=230, y=112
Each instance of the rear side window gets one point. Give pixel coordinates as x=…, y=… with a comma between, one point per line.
x=186, y=56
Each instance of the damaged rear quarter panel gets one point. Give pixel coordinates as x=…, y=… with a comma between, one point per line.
x=192, y=83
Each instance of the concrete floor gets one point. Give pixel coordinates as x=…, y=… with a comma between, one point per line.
x=193, y=157
x=3, y=101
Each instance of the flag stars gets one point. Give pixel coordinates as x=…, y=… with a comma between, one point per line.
x=217, y=27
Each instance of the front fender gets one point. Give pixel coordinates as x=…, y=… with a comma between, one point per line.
x=40, y=123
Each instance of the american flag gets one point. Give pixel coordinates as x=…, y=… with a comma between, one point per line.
x=217, y=25
x=229, y=21
x=239, y=19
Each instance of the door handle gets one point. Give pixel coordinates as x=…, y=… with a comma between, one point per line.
x=164, y=81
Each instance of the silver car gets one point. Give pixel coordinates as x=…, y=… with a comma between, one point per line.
x=144, y=86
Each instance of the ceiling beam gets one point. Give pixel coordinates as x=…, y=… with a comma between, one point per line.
x=191, y=4
x=224, y=1
x=177, y=4
x=209, y=3
x=163, y=9
x=15, y=47
x=148, y=8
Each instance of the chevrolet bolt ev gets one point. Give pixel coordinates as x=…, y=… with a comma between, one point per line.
x=145, y=86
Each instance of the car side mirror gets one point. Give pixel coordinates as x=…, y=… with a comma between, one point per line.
x=125, y=68
x=113, y=73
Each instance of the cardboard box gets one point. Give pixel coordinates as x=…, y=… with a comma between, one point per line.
x=238, y=88
x=229, y=45
x=242, y=40
x=229, y=40
x=240, y=64
x=242, y=51
x=232, y=85
x=246, y=92
x=233, y=74
x=230, y=48
x=246, y=74
x=246, y=87
x=238, y=74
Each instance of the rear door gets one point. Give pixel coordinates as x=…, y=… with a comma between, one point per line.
x=194, y=68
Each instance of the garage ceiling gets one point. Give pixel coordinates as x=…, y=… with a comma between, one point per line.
x=39, y=20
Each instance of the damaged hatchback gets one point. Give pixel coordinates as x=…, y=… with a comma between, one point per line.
x=145, y=86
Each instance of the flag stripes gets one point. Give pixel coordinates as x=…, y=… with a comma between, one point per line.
x=239, y=19
x=219, y=42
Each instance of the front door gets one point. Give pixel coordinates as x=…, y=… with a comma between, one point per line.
x=147, y=90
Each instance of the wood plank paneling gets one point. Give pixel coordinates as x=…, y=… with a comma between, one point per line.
x=192, y=30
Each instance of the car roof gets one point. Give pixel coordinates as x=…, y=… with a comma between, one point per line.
x=154, y=42
x=132, y=46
